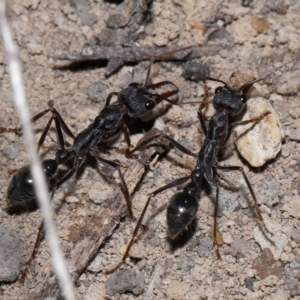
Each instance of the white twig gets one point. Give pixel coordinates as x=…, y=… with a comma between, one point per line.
x=39, y=179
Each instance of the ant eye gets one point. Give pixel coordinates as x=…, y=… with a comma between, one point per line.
x=218, y=89
x=244, y=99
x=150, y=105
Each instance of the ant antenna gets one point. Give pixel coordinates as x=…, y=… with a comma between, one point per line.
x=249, y=84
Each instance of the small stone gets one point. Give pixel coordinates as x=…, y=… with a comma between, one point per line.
x=137, y=251
x=294, y=134
x=261, y=141
x=188, y=7
x=10, y=255
x=288, y=83
x=220, y=33
x=191, y=68
x=123, y=281
x=99, y=193
x=242, y=30
x=97, y=92
x=277, y=242
x=95, y=291
x=288, y=249
x=269, y=281
x=186, y=264
x=205, y=247
x=176, y=115
x=177, y=290
x=293, y=207
x=295, y=235
x=249, y=281
x=71, y=199
x=260, y=24
x=10, y=152
x=96, y=265
x=286, y=150
x=88, y=19
x=161, y=41
x=227, y=238
x=293, y=286
x=266, y=266
x=240, y=247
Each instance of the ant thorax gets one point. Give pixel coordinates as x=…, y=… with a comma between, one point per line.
x=218, y=125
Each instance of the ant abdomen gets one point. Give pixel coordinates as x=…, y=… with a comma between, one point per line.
x=21, y=188
x=182, y=209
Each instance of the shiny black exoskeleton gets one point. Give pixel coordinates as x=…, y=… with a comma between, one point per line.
x=228, y=103
x=183, y=206
x=21, y=190
x=132, y=102
x=182, y=209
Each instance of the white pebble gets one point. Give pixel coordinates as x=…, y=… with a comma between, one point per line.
x=260, y=142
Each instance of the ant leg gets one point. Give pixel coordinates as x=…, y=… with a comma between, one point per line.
x=66, y=177
x=164, y=96
x=60, y=126
x=123, y=183
x=33, y=254
x=215, y=239
x=128, y=154
x=149, y=70
x=41, y=227
x=240, y=169
x=176, y=182
x=200, y=113
x=17, y=131
x=43, y=136
x=110, y=95
x=158, y=134
x=235, y=124
x=254, y=120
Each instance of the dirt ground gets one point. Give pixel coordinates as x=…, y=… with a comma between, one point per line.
x=254, y=39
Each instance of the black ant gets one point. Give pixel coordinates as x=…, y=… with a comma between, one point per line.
x=183, y=206
x=133, y=102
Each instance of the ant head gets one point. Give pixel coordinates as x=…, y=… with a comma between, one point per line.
x=137, y=100
x=50, y=167
x=233, y=100
x=229, y=99
x=182, y=209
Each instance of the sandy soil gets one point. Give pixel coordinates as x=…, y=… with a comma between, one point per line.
x=258, y=38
